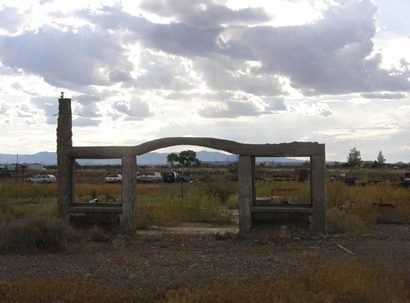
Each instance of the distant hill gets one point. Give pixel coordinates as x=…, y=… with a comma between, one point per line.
x=152, y=158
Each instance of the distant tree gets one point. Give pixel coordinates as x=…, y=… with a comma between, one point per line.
x=172, y=158
x=188, y=158
x=381, y=160
x=354, y=159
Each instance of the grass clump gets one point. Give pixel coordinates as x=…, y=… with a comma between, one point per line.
x=340, y=221
x=61, y=290
x=335, y=283
x=32, y=234
x=219, y=188
x=194, y=207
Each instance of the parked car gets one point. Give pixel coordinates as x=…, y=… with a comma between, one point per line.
x=406, y=178
x=43, y=179
x=184, y=178
x=113, y=178
x=170, y=177
x=151, y=177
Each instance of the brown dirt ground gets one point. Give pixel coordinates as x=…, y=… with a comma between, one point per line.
x=158, y=260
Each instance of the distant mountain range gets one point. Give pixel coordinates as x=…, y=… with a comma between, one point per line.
x=152, y=158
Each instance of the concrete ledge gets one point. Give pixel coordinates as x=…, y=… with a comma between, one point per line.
x=94, y=209
x=282, y=209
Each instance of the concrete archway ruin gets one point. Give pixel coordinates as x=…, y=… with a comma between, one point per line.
x=67, y=154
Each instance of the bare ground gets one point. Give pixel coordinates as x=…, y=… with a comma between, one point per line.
x=152, y=262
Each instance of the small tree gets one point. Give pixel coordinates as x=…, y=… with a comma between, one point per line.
x=381, y=160
x=188, y=158
x=172, y=158
x=354, y=159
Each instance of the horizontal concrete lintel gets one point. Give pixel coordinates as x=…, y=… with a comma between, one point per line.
x=100, y=152
x=293, y=149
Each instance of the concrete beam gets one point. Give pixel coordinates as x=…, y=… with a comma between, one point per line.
x=294, y=149
x=101, y=152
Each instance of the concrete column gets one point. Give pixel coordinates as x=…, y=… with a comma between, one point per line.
x=318, y=194
x=65, y=172
x=129, y=163
x=246, y=192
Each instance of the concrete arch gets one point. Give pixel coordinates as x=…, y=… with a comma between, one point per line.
x=214, y=143
x=67, y=154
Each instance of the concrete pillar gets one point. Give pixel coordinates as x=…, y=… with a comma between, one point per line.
x=129, y=163
x=246, y=174
x=318, y=194
x=65, y=170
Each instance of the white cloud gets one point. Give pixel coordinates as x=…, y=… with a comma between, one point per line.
x=132, y=110
x=252, y=71
x=67, y=58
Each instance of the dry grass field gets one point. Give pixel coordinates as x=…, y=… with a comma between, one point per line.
x=44, y=260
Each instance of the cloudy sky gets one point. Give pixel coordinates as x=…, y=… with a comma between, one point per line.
x=335, y=72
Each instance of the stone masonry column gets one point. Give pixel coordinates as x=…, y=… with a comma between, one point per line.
x=65, y=168
x=318, y=194
x=128, y=222
x=246, y=174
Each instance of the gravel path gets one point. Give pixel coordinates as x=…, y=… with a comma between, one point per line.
x=160, y=260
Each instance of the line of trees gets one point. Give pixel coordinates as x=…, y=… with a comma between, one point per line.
x=354, y=159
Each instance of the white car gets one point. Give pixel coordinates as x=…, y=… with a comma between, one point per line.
x=113, y=178
x=151, y=177
x=43, y=179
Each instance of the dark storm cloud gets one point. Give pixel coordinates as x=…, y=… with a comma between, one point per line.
x=132, y=110
x=204, y=13
x=332, y=55
x=67, y=58
x=223, y=73
x=174, y=38
x=230, y=109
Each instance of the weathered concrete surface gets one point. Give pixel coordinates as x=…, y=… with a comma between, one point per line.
x=294, y=149
x=65, y=167
x=318, y=194
x=66, y=154
x=246, y=192
x=128, y=193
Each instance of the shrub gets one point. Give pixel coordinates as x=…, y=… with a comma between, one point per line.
x=220, y=188
x=32, y=234
x=339, y=221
